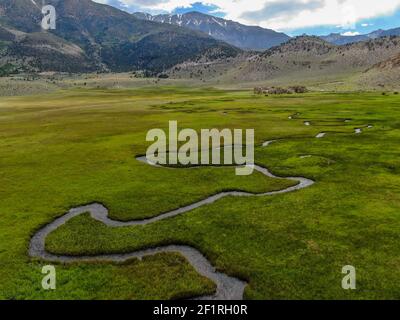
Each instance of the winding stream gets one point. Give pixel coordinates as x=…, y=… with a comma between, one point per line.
x=228, y=288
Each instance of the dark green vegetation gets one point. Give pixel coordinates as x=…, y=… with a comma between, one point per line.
x=94, y=37
x=7, y=69
x=75, y=147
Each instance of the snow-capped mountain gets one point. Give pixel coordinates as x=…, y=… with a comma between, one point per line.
x=234, y=33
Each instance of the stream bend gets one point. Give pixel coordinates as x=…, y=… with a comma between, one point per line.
x=228, y=288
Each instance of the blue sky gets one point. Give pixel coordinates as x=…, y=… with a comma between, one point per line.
x=200, y=7
x=294, y=17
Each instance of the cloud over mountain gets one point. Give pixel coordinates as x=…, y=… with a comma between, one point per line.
x=285, y=8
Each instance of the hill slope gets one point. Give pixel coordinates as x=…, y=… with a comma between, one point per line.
x=108, y=38
x=234, y=33
x=300, y=60
x=385, y=74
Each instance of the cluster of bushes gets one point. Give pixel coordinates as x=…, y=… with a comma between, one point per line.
x=279, y=90
x=8, y=69
x=163, y=76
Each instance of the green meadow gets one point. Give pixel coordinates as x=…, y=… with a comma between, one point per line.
x=78, y=146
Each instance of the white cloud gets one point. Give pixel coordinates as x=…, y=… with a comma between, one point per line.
x=350, y=33
x=284, y=14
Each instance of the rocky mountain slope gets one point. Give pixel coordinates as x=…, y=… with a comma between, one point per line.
x=390, y=64
x=385, y=74
x=95, y=37
x=234, y=33
x=298, y=60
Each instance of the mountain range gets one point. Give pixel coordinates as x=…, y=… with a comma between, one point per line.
x=96, y=37
x=340, y=39
x=93, y=37
x=250, y=37
x=234, y=33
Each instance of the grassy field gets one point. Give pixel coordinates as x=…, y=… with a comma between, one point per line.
x=78, y=146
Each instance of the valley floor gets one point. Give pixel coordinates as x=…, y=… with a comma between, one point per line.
x=18, y=85
x=79, y=146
